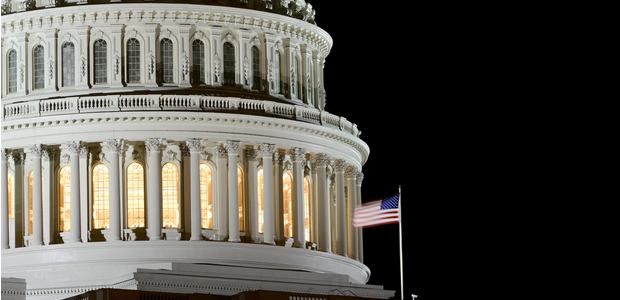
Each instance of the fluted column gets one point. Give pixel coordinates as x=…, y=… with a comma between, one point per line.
x=267, y=151
x=48, y=156
x=351, y=175
x=324, y=204
x=232, y=147
x=278, y=195
x=341, y=218
x=37, y=196
x=194, y=146
x=251, y=155
x=74, y=163
x=222, y=193
x=360, y=236
x=298, y=155
x=154, y=148
x=5, y=199
x=115, y=146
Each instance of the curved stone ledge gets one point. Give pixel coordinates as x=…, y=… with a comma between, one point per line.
x=51, y=265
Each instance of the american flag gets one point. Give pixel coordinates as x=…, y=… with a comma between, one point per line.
x=378, y=212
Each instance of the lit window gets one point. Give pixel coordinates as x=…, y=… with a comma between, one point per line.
x=229, y=64
x=68, y=64
x=38, y=67
x=170, y=195
x=12, y=72
x=198, y=48
x=307, y=208
x=278, y=72
x=30, y=184
x=101, y=197
x=287, y=183
x=240, y=182
x=206, y=196
x=261, y=218
x=135, y=195
x=11, y=191
x=255, y=68
x=133, y=60
x=65, y=198
x=101, y=62
x=167, y=60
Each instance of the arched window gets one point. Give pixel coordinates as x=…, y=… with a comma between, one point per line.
x=287, y=184
x=135, y=195
x=65, y=198
x=133, y=60
x=167, y=60
x=12, y=71
x=206, y=196
x=298, y=70
x=198, y=53
x=307, y=208
x=170, y=195
x=241, y=211
x=260, y=183
x=38, y=68
x=278, y=73
x=229, y=64
x=255, y=68
x=68, y=64
x=101, y=61
x=11, y=192
x=101, y=197
x=30, y=184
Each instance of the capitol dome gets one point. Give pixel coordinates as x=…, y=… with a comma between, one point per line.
x=175, y=147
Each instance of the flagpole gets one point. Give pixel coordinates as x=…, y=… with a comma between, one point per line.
x=400, y=242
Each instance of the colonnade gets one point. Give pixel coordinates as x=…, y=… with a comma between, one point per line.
x=335, y=190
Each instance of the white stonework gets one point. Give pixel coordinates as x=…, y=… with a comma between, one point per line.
x=228, y=98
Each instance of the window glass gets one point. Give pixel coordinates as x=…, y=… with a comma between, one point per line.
x=170, y=195
x=11, y=191
x=135, y=195
x=38, y=65
x=101, y=62
x=206, y=196
x=133, y=60
x=240, y=182
x=278, y=72
x=198, y=74
x=261, y=218
x=307, y=208
x=65, y=198
x=167, y=60
x=287, y=184
x=255, y=68
x=68, y=64
x=12, y=71
x=229, y=64
x=101, y=197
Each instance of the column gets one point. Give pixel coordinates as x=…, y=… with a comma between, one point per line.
x=85, y=161
x=5, y=199
x=184, y=55
x=37, y=196
x=115, y=146
x=324, y=204
x=48, y=156
x=253, y=192
x=278, y=194
x=267, y=151
x=298, y=155
x=317, y=79
x=222, y=193
x=360, y=237
x=341, y=218
x=154, y=146
x=232, y=147
x=74, y=163
x=194, y=146
x=351, y=175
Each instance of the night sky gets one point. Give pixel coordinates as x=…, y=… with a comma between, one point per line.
x=378, y=96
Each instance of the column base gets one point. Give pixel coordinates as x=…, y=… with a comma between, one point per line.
x=195, y=239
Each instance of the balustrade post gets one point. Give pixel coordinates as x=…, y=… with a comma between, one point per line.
x=195, y=145
x=232, y=147
x=267, y=151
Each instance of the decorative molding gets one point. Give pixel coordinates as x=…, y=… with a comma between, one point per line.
x=194, y=145
x=267, y=150
x=232, y=147
x=73, y=147
x=115, y=145
x=154, y=145
x=36, y=150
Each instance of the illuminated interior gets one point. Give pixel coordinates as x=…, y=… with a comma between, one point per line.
x=135, y=195
x=65, y=198
x=170, y=195
x=101, y=197
x=307, y=208
x=206, y=196
x=287, y=183
x=261, y=218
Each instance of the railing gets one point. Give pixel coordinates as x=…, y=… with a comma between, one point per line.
x=112, y=103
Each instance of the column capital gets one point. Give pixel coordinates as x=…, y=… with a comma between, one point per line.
x=115, y=145
x=220, y=152
x=297, y=154
x=84, y=152
x=232, y=147
x=6, y=153
x=360, y=178
x=154, y=145
x=267, y=150
x=321, y=159
x=73, y=147
x=351, y=172
x=194, y=145
x=252, y=153
x=49, y=154
x=36, y=150
x=339, y=165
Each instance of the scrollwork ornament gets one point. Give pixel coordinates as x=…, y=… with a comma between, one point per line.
x=220, y=151
x=48, y=154
x=360, y=178
x=73, y=147
x=232, y=147
x=36, y=150
x=115, y=145
x=351, y=171
x=154, y=145
x=6, y=153
x=267, y=150
x=297, y=154
x=321, y=159
x=194, y=145
x=339, y=165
